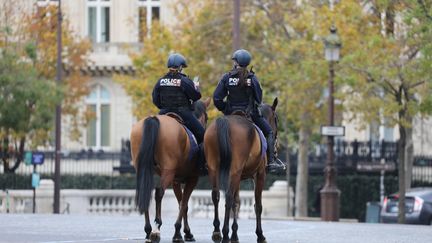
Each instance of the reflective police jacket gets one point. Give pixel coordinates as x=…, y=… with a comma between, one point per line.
x=238, y=97
x=175, y=91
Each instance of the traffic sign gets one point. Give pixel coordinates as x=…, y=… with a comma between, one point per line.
x=35, y=180
x=376, y=167
x=28, y=158
x=333, y=130
x=38, y=158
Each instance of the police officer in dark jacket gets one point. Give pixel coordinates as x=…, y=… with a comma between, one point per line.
x=243, y=92
x=175, y=92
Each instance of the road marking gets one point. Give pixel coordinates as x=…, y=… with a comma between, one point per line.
x=95, y=240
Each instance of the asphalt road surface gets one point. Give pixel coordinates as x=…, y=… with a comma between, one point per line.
x=45, y=228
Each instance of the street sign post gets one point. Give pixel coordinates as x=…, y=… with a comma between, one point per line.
x=34, y=158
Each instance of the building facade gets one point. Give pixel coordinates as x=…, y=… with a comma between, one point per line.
x=115, y=29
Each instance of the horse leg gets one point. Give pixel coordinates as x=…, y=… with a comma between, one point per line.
x=177, y=191
x=259, y=185
x=147, y=226
x=216, y=223
x=190, y=185
x=235, y=208
x=216, y=237
x=179, y=196
x=228, y=206
x=166, y=180
x=155, y=235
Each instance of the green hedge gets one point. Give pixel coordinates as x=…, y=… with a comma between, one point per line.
x=356, y=190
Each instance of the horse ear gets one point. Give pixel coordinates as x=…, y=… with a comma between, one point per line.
x=207, y=102
x=275, y=103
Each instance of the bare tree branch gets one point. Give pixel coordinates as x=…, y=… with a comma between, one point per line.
x=416, y=84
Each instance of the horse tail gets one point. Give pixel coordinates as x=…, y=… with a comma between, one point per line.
x=145, y=165
x=225, y=156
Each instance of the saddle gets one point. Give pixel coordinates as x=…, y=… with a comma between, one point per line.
x=242, y=114
x=176, y=117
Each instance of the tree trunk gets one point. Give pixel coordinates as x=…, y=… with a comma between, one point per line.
x=288, y=178
x=16, y=156
x=401, y=171
x=409, y=156
x=301, y=193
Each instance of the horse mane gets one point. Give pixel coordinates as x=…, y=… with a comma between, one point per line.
x=266, y=110
x=199, y=108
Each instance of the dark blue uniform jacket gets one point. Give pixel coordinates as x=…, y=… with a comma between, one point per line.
x=181, y=90
x=229, y=82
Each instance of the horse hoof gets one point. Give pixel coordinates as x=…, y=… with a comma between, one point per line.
x=234, y=241
x=262, y=241
x=217, y=237
x=155, y=237
x=148, y=241
x=189, y=237
x=177, y=240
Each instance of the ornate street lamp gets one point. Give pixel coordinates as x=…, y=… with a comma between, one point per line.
x=330, y=194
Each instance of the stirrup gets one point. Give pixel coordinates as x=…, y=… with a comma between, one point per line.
x=276, y=167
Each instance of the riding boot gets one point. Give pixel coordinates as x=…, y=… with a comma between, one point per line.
x=273, y=166
x=202, y=164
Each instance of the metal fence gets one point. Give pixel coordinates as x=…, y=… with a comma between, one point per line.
x=348, y=155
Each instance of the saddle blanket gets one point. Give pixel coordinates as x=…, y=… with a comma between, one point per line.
x=263, y=141
x=193, y=143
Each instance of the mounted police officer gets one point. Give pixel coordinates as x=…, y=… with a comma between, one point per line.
x=175, y=92
x=243, y=92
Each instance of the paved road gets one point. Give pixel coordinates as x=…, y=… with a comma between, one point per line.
x=124, y=229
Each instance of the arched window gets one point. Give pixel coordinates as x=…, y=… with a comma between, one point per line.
x=98, y=130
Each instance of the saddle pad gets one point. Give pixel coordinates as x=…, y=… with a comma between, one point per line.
x=193, y=143
x=263, y=141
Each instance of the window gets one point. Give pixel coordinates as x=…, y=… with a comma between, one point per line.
x=148, y=11
x=98, y=17
x=98, y=130
x=43, y=3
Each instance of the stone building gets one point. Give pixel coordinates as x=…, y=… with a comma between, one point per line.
x=114, y=27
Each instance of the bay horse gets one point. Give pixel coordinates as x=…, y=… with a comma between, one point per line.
x=160, y=145
x=233, y=152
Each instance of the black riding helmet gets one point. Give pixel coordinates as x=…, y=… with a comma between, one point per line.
x=176, y=60
x=242, y=57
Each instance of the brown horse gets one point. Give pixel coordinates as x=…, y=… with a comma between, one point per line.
x=160, y=144
x=233, y=152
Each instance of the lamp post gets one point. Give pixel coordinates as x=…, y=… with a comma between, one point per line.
x=236, y=25
x=57, y=178
x=330, y=194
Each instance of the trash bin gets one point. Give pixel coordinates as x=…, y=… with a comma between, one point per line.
x=373, y=212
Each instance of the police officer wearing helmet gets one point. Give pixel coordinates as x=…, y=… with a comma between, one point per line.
x=175, y=92
x=243, y=92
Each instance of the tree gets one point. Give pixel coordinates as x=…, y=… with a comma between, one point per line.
x=390, y=82
x=26, y=105
x=28, y=49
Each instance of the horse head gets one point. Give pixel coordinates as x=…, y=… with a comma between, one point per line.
x=200, y=111
x=269, y=113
